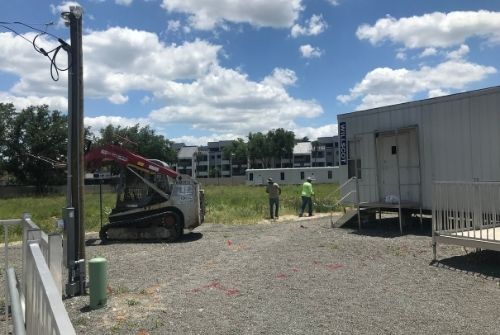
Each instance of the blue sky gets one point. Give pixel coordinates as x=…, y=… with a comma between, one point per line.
x=200, y=70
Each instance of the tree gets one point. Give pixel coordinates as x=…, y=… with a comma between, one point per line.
x=7, y=113
x=259, y=149
x=36, y=137
x=237, y=152
x=281, y=142
x=143, y=140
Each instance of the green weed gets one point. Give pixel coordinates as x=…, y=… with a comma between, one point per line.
x=132, y=302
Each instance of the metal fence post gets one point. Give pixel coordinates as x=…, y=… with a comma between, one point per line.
x=357, y=203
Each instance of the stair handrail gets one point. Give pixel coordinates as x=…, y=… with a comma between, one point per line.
x=356, y=191
x=339, y=188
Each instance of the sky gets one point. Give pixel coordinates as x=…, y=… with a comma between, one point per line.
x=208, y=70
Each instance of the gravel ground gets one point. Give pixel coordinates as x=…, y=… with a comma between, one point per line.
x=297, y=276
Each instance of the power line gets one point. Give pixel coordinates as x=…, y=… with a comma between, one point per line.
x=54, y=68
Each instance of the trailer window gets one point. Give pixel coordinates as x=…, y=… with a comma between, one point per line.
x=394, y=150
x=282, y=175
x=250, y=176
x=302, y=175
x=330, y=175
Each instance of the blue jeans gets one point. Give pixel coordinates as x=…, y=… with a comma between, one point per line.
x=306, y=201
x=274, y=202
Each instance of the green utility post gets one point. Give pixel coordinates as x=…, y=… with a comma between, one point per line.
x=98, y=282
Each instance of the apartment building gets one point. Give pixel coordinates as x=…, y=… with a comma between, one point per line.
x=210, y=160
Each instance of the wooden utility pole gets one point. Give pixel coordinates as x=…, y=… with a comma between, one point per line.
x=74, y=230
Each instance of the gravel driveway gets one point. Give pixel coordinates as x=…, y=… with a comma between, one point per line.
x=294, y=277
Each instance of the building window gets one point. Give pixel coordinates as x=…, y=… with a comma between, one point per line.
x=282, y=175
x=330, y=175
x=394, y=150
x=302, y=175
x=250, y=176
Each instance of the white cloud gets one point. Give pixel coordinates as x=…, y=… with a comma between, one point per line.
x=437, y=30
x=124, y=2
x=145, y=100
x=173, y=25
x=459, y=53
x=186, y=82
x=63, y=7
x=428, y=52
x=333, y=2
x=21, y=102
x=100, y=122
x=385, y=86
x=203, y=140
x=308, y=51
x=280, y=78
x=32, y=68
x=313, y=133
x=314, y=26
x=401, y=55
x=437, y=93
x=116, y=61
x=118, y=99
x=226, y=101
x=206, y=15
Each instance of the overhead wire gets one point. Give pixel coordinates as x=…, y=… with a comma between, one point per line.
x=54, y=68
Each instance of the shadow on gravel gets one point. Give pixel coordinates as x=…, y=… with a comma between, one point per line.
x=190, y=237
x=484, y=263
x=389, y=228
x=85, y=309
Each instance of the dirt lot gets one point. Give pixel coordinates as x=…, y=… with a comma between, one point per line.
x=293, y=277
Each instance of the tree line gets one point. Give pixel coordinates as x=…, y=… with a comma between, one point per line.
x=33, y=145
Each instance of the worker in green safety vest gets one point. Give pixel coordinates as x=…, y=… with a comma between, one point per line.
x=307, y=193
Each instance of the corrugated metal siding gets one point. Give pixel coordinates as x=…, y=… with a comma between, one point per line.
x=459, y=140
x=485, y=131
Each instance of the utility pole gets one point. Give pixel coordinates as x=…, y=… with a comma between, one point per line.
x=74, y=230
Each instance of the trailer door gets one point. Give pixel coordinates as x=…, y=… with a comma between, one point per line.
x=398, y=165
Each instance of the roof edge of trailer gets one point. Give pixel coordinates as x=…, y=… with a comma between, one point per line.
x=297, y=168
x=428, y=101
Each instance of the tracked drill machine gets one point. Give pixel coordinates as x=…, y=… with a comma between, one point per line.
x=153, y=201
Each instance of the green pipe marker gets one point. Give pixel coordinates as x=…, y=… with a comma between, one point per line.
x=98, y=282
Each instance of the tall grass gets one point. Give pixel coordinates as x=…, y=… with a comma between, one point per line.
x=235, y=204
x=249, y=204
x=45, y=210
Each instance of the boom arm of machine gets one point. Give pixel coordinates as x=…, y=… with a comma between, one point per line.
x=126, y=158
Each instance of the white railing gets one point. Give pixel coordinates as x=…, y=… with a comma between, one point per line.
x=40, y=296
x=45, y=311
x=466, y=213
x=467, y=209
x=342, y=200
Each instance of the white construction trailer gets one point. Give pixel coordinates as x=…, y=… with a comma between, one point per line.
x=398, y=152
x=283, y=176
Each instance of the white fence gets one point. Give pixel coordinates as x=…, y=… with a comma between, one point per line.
x=467, y=214
x=39, y=297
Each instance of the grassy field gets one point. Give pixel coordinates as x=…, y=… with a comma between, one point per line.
x=225, y=204
x=249, y=204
